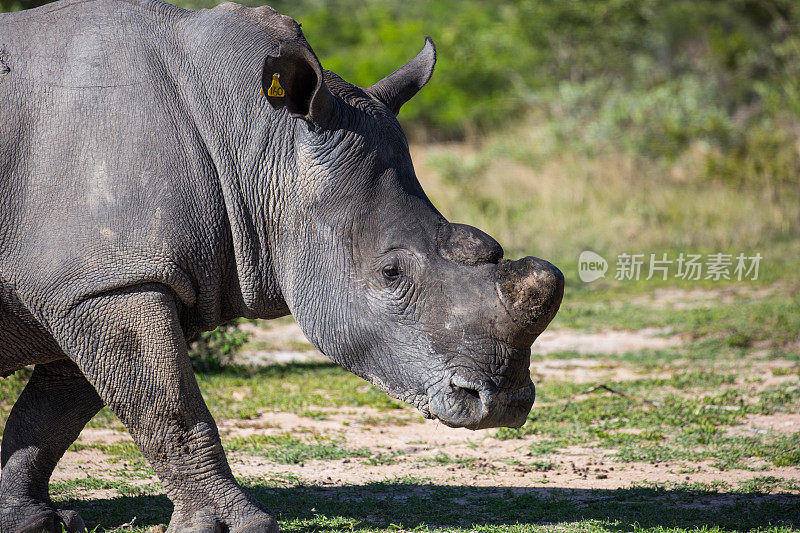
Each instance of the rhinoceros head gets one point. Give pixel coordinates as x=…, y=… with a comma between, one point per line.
x=378, y=279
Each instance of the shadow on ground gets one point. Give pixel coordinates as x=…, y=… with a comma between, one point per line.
x=407, y=506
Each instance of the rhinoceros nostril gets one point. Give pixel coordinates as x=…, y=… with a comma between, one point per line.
x=472, y=392
x=473, y=388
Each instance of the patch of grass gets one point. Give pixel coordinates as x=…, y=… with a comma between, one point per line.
x=774, y=319
x=407, y=479
x=314, y=414
x=270, y=480
x=73, y=487
x=693, y=487
x=784, y=371
x=119, y=452
x=726, y=452
x=288, y=449
x=298, y=388
x=388, y=420
x=441, y=458
x=679, y=418
x=768, y=484
x=382, y=459
x=790, y=457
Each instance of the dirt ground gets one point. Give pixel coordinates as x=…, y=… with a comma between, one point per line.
x=416, y=446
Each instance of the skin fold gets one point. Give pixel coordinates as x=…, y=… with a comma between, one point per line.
x=163, y=171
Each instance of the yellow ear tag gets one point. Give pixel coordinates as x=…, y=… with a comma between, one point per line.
x=275, y=89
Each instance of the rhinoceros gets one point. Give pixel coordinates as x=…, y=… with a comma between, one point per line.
x=163, y=171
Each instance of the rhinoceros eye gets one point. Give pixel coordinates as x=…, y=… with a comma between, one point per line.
x=391, y=272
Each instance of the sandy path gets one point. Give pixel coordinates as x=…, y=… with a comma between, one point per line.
x=414, y=449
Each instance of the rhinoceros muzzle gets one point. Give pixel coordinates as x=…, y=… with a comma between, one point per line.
x=484, y=405
x=530, y=291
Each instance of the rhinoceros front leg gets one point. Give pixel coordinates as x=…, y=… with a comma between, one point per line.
x=48, y=416
x=130, y=346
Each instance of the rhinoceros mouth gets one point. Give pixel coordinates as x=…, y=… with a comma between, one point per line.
x=472, y=404
x=477, y=405
x=471, y=399
x=421, y=402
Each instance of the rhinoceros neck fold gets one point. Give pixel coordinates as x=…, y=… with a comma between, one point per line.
x=250, y=145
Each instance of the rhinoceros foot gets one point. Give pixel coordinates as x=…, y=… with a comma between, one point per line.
x=35, y=517
x=260, y=522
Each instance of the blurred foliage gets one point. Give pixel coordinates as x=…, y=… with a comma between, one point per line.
x=652, y=77
x=666, y=72
x=212, y=350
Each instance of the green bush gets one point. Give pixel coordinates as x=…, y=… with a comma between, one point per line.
x=651, y=77
x=211, y=350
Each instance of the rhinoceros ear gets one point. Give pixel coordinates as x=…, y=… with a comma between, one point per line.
x=292, y=78
x=398, y=87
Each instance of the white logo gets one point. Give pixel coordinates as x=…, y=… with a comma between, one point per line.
x=591, y=266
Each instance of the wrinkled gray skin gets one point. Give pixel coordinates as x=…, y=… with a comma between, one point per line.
x=148, y=191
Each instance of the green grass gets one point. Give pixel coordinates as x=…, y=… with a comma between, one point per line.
x=282, y=448
x=767, y=484
x=743, y=322
x=296, y=388
x=683, y=417
x=288, y=449
x=290, y=345
x=74, y=487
